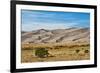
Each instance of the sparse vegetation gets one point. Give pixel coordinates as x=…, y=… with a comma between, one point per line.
x=52, y=52
x=86, y=51
x=77, y=51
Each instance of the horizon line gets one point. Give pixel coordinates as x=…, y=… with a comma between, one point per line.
x=56, y=29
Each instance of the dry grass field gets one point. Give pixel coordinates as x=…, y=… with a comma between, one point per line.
x=57, y=52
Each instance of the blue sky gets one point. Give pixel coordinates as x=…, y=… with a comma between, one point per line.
x=34, y=20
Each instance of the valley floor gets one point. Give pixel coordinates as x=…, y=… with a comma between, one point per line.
x=57, y=52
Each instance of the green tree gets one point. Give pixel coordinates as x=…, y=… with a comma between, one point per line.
x=41, y=52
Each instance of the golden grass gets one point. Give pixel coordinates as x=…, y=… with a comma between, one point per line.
x=57, y=52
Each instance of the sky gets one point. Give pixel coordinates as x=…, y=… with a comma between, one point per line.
x=35, y=20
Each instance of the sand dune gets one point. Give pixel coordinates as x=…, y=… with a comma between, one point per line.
x=56, y=36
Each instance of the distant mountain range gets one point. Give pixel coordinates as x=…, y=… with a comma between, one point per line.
x=56, y=36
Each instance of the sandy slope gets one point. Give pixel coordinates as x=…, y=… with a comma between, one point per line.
x=56, y=36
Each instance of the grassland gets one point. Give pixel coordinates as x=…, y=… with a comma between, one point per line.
x=57, y=52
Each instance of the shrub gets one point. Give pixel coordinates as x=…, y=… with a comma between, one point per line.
x=77, y=51
x=86, y=51
x=41, y=52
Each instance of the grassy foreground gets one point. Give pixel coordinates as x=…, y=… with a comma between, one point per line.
x=57, y=52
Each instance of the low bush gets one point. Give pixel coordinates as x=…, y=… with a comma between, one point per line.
x=86, y=51
x=77, y=51
x=41, y=52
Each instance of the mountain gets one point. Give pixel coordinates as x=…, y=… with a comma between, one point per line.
x=57, y=35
